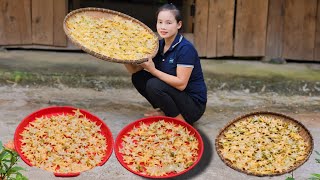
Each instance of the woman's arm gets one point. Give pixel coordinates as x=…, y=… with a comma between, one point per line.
x=133, y=68
x=179, y=82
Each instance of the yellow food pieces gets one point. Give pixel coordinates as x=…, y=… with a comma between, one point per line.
x=114, y=37
x=63, y=143
x=159, y=148
x=263, y=145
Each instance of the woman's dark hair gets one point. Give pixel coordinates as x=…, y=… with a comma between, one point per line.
x=170, y=7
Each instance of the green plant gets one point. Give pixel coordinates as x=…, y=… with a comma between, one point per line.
x=290, y=178
x=314, y=175
x=8, y=164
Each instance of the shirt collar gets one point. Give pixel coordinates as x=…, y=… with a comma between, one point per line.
x=177, y=40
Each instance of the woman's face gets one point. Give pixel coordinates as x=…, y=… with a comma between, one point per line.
x=167, y=25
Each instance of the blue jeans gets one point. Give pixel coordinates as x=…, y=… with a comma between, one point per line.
x=169, y=99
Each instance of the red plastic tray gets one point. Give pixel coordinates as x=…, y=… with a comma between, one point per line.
x=150, y=120
x=56, y=110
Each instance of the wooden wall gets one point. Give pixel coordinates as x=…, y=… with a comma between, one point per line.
x=274, y=36
x=220, y=28
x=287, y=29
x=250, y=27
x=317, y=46
x=299, y=29
x=32, y=22
x=15, y=22
x=201, y=26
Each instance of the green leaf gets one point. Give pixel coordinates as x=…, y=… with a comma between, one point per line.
x=2, y=171
x=21, y=177
x=313, y=178
x=15, y=170
x=8, y=154
x=290, y=178
x=6, y=160
x=317, y=153
x=3, y=155
x=316, y=175
x=18, y=168
x=13, y=159
x=6, y=167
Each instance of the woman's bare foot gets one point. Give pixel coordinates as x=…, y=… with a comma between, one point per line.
x=154, y=112
x=180, y=117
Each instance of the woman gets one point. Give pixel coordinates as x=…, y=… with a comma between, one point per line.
x=172, y=81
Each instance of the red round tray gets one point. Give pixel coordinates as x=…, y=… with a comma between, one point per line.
x=150, y=120
x=56, y=110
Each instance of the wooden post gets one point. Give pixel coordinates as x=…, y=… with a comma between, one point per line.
x=60, y=10
x=42, y=22
x=201, y=27
x=275, y=30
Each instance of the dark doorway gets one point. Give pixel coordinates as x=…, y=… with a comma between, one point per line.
x=143, y=10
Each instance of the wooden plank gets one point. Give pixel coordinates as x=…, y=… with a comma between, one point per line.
x=10, y=22
x=15, y=22
x=201, y=26
x=60, y=10
x=187, y=20
x=299, y=29
x=42, y=22
x=212, y=28
x=275, y=29
x=220, y=28
x=26, y=28
x=3, y=11
x=251, y=27
x=317, y=43
x=225, y=28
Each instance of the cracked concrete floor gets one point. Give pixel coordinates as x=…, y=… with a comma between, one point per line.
x=119, y=107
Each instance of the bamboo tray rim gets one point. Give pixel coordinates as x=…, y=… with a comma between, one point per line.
x=309, y=139
x=113, y=13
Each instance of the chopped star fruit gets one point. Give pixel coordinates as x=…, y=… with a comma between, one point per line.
x=159, y=148
x=63, y=143
x=263, y=145
x=115, y=37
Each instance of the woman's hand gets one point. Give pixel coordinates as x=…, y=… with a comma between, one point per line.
x=179, y=81
x=149, y=65
x=133, y=68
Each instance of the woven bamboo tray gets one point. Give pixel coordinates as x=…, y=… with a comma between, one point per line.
x=109, y=14
x=304, y=132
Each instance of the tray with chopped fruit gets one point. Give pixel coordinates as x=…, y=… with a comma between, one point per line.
x=63, y=140
x=264, y=144
x=158, y=147
x=110, y=35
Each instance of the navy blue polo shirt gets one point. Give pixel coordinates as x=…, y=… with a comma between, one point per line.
x=183, y=53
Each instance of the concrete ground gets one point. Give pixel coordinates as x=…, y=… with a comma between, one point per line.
x=30, y=80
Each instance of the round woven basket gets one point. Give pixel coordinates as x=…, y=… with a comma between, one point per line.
x=106, y=13
x=304, y=132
